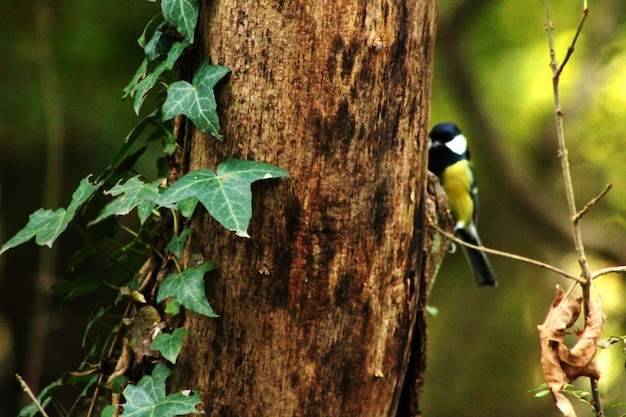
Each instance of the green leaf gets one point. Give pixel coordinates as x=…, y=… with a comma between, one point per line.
x=542, y=393
x=173, y=307
x=93, y=318
x=119, y=383
x=208, y=75
x=227, y=196
x=144, y=210
x=187, y=207
x=131, y=194
x=170, y=145
x=170, y=344
x=46, y=225
x=82, y=285
x=188, y=289
x=141, y=88
x=141, y=41
x=159, y=44
x=109, y=411
x=122, y=168
x=88, y=381
x=97, y=235
x=196, y=100
x=148, y=399
x=139, y=404
x=44, y=397
x=176, y=245
x=154, y=384
x=141, y=72
x=183, y=15
x=130, y=257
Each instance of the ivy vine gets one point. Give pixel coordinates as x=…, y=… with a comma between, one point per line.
x=125, y=374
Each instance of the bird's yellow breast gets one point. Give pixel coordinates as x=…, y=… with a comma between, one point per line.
x=457, y=182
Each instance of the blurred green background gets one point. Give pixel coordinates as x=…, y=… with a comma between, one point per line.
x=64, y=65
x=491, y=77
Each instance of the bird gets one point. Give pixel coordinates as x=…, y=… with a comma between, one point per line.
x=449, y=160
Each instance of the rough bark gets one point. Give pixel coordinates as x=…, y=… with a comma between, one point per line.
x=318, y=309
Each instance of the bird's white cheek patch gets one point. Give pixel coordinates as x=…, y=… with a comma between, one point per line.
x=458, y=145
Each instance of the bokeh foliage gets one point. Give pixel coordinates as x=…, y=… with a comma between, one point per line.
x=491, y=77
x=92, y=48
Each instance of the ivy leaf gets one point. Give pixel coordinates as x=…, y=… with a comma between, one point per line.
x=44, y=398
x=170, y=144
x=46, y=225
x=140, y=405
x=208, y=75
x=93, y=318
x=176, y=245
x=159, y=44
x=227, y=196
x=188, y=289
x=183, y=15
x=124, y=161
x=133, y=193
x=170, y=344
x=196, y=100
x=187, y=207
x=141, y=72
x=82, y=285
x=173, y=307
x=154, y=384
x=109, y=411
x=144, y=83
x=148, y=398
x=141, y=41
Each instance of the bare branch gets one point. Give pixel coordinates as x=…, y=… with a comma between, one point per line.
x=570, y=50
x=32, y=396
x=567, y=178
x=590, y=204
x=611, y=270
x=507, y=255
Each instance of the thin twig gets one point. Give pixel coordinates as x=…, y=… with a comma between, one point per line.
x=567, y=177
x=96, y=391
x=595, y=393
x=611, y=270
x=32, y=396
x=590, y=204
x=506, y=254
x=570, y=50
x=560, y=130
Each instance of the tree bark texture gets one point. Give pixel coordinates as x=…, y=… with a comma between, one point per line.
x=318, y=308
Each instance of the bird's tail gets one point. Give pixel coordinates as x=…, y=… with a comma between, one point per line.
x=478, y=260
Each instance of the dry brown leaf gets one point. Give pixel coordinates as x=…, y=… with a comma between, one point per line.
x=123, y=362
x=562, y=315
x=142, y=325
x=563, y=404
x=140, y=330
x=580, y=359
x=560, y=364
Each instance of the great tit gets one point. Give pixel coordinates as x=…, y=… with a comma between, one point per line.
x=449, y=159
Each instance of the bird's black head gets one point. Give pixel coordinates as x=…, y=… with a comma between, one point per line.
x=444, y=132
x=446, y=147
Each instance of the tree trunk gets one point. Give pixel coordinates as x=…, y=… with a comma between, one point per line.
x=318, y=308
